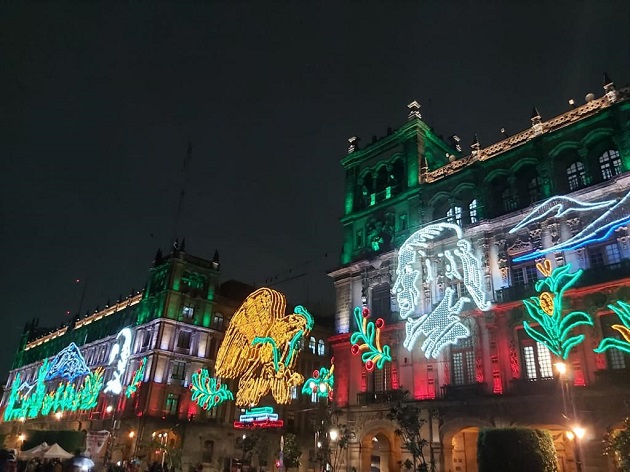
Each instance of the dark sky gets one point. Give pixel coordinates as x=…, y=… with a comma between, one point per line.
x=99, y=101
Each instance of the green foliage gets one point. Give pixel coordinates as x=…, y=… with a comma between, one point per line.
x=207, y=391
x=367, y=340
x=407, y=417
x=546, y=310
x=255, y=444
x=330, y=451
x=623, y=312
x=516, y=450
x=292, y=451
x=617, y=447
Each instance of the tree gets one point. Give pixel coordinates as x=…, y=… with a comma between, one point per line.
x=332, y=437
x=254, y=443
x=407, y=416
x=617, y=447
x=516, y=450
x=292, y=451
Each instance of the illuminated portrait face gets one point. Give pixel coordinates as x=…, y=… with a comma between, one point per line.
x=432, y=262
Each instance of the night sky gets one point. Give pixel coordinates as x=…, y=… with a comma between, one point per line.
x=98, y=103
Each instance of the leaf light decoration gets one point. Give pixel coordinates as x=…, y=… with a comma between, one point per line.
x=546, y=310
x=368, y=340
x=623, y=312
x=207, y=391
x=136, y=379
x=321, y=384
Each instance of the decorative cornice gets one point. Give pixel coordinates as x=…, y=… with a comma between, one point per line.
x=572, y=116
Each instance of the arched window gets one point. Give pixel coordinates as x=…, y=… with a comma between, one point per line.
x=472, y=211
x=321, y=348
x=610, y=164
x=454, y=215
x=312, y=344
x=576, y=175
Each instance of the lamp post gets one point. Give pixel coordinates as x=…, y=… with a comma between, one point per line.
x=576, y=432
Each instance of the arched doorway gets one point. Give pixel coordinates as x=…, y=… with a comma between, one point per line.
x=380, y=452
x=464, y=444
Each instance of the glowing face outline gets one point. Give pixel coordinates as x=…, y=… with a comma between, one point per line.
x=122, y=351
x=442, y=326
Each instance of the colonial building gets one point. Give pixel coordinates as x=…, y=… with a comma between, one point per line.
x=144, y=350
x=445, y=245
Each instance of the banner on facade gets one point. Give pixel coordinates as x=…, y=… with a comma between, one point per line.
x=95, y=442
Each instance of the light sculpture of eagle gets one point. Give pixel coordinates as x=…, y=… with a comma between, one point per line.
x=260, y=348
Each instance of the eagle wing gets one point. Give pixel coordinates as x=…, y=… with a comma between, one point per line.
x=253, y=319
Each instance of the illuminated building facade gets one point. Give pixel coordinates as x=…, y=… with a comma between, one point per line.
x=444, y=247
x=133, y=368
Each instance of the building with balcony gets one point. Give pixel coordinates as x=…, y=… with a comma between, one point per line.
x=160, y=337
x=445, y=245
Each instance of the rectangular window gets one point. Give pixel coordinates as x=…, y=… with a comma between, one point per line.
x=208, y=452
x=359, y=240
x=537, y=359
x=597, y=258
x=179, y=370
x=172, y=404
x=372, y=199
x=188, y=311
x=616, y=359
x=463, y=362
x=524, y=275
x=388, y=192
x=183, y=340
x=472, y=211
x=381, y=301
x=402, y=223
x=612, y=254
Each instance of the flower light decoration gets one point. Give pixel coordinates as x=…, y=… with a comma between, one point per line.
x=136, y=379
x=622, y=310
x=260, y=348
x=208, y=392
x=367, y=340
x=555, y=329
x=321, y=384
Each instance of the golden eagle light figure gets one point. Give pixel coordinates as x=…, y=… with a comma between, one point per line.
x=260, y=347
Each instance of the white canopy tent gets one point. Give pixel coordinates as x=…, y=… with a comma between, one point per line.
x=44, y=451
x=57, y=452
x=37, y=451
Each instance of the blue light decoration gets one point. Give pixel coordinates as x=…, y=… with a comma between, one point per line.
x=68, y=363
x=321, y=384
x=260, y=417
x=417, y=265
x=616, y=214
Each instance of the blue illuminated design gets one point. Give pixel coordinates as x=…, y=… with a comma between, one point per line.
x=421, y=261
x=68, y=363
x=600, y=229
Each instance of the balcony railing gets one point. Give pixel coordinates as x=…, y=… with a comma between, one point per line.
x=591, y=276
x=463, y=392
x=544, y=386
x=515, y=292
x=370, y=398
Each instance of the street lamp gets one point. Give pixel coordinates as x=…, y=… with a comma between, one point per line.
x=334, y=434
x=109, y=409
x=132, y=434
x=579, y=432
x=561, y=367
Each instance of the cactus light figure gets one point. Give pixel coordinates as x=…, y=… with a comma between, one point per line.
x=419, y=260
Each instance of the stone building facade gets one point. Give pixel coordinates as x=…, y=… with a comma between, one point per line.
x=444, y=246
x=177, y=324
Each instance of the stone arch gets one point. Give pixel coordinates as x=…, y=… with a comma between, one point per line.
x=525, y=161
x=563, y=146
x=379, y=440
x=594, y=137
x=453, y=429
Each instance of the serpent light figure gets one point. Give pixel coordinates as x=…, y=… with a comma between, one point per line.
x=416, y=267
